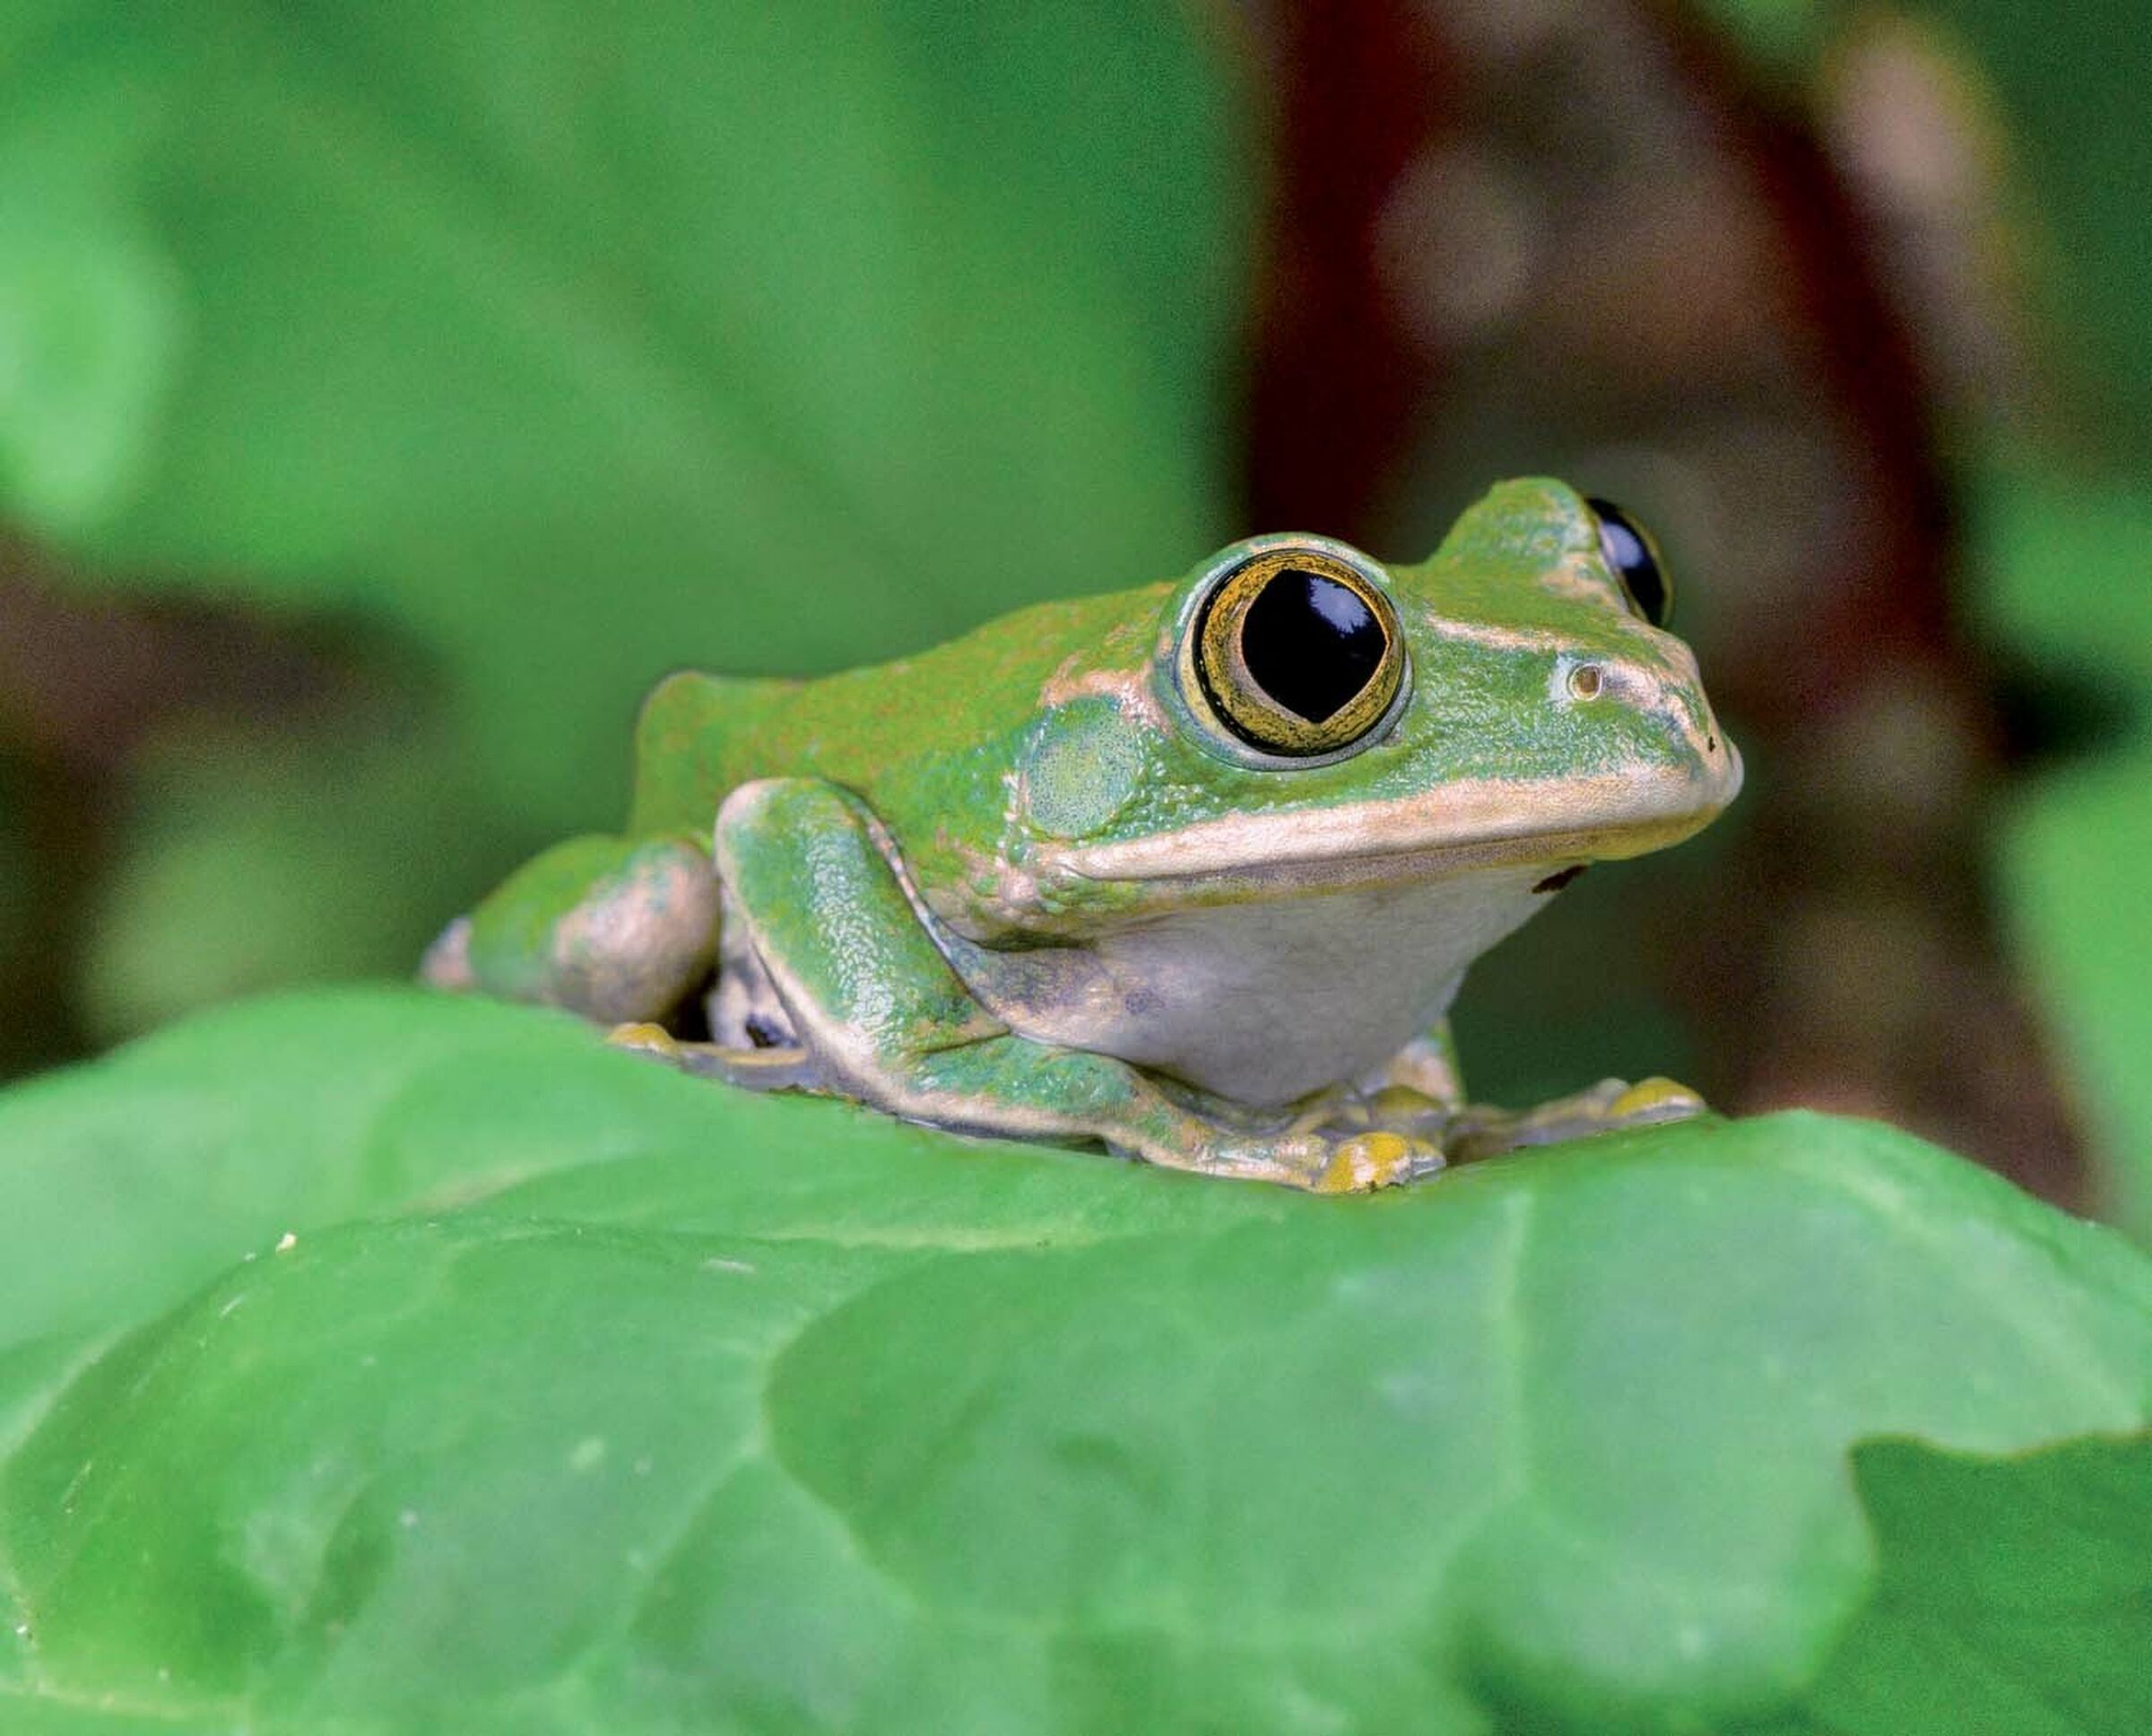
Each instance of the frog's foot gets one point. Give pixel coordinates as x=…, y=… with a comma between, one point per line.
x=1340, y=1153
x=1378, y=1137
x=784, y=1069
x=1359, y=1163
x=1479, y=1131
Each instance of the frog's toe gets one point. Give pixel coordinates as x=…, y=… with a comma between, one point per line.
x=1605, y=1107
x=1366, y=1161
x=641, y=1038
x=1654, y=1100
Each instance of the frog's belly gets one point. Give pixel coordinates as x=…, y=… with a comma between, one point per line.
x=1266, y=1001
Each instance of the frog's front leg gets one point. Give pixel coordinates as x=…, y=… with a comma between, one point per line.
x=612, y=928
x=816, y=884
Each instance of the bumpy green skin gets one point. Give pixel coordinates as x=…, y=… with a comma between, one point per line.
x=888, y=837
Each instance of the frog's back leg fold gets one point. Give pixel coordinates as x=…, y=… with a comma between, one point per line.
x=616, y=929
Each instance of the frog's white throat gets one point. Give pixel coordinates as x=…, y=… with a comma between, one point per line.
x=1261, y=1001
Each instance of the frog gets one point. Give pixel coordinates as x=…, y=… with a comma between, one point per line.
x=1191, y=871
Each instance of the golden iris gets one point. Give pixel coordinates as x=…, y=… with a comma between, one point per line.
x=1296, y=653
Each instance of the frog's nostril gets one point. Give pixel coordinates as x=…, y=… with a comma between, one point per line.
x=1585, y=681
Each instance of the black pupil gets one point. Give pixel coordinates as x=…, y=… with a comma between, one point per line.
x=1630, y=556
x=1311, y=643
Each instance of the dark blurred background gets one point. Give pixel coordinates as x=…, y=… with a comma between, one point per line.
x=389, y=394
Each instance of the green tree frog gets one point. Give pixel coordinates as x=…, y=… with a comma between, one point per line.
x=1192, y=871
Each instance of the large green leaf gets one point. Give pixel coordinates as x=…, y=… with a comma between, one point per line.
x=586, y=348
x=2015, y=1595
x=376, y=1360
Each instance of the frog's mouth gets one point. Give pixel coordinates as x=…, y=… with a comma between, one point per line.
x=1453, y=828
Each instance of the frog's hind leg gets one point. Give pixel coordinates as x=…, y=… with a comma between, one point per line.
x=612, y=928
x=818, y=893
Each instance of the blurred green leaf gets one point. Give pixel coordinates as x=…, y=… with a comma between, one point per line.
x=259, y=865
x=2074, y=862
x=2014, y=1595
x=764, y=339
x=2072, y=84
x=88, y=343
x=376, y=1360
x=2063, y=567
x=2067, y=570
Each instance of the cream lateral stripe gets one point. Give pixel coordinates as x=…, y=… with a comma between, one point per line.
x=1458, y=817
x=1215, y=656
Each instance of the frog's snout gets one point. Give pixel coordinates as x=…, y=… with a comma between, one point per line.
x=1722, y=762
x=1674, y=730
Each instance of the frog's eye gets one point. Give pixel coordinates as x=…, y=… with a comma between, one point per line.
x=1296, y=653
x=1633, y=556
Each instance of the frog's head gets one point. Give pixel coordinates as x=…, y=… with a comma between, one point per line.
x=1314, y=717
